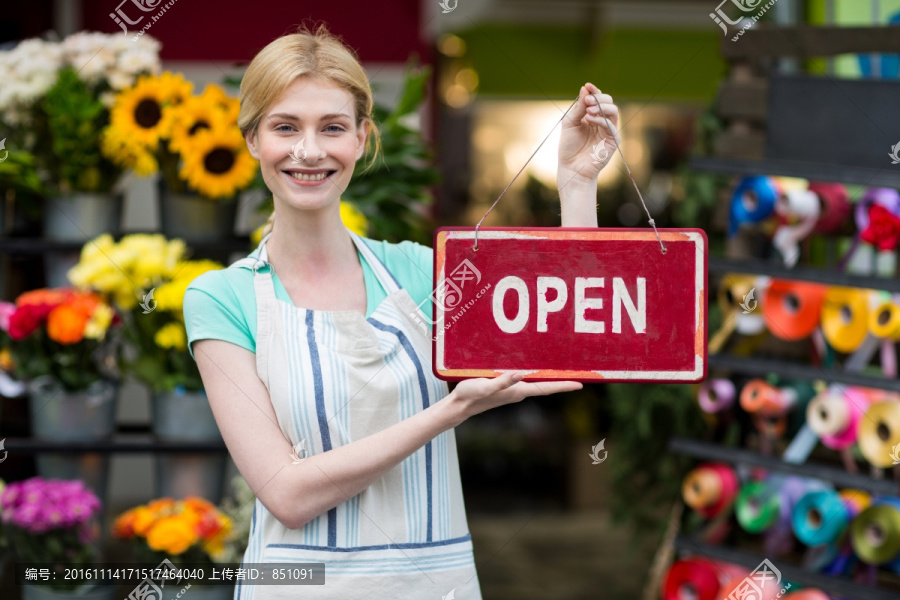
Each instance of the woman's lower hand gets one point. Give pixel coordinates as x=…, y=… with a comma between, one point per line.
x=474, y=396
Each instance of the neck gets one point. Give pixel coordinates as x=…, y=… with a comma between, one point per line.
x=310, y=243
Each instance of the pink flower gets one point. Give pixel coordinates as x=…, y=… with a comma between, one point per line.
x=6, y=310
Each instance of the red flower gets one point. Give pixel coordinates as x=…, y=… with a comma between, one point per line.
x=27, y=319
x=883, y=231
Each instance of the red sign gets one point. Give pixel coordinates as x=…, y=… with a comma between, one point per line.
x=570, y=304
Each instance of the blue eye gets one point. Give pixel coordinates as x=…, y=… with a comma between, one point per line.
x=334, y=128
x=284, y=128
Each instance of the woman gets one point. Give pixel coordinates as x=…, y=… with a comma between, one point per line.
x=317, y=374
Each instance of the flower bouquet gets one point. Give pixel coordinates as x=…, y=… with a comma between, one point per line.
x=146, y=276
x=51, y=521
x=61, y=333
x=192, y=530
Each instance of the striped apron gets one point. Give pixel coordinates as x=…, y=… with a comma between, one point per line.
x=337, y=377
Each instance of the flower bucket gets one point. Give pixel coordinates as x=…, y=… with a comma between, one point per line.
x=76, y=218
x=181, y=416
x=194, y=218
x=42, y=592
x=63, y=416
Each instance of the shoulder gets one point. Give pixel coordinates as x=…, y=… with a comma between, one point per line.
x=410, y=263
x=226, y=287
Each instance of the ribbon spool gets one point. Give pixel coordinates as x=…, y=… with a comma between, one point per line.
x=760, y=397
x=694, y=579
x=733, y=291
x=792, y=309
x=804, y=206
x=821, y=517
x=845, y=318
x=757, y=506
x=710, y=488
x=715, y=395
x=753, y=201
x=834, y=416
x=884, y=319
x=835, y=206
x=886, y=197
x=879, y=434
x=875, y=533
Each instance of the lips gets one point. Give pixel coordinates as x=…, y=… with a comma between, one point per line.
x=311, y=176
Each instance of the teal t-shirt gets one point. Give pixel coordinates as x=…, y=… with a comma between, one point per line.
x=221, y=304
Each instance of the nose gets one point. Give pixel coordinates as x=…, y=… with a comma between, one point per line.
x=314, y=151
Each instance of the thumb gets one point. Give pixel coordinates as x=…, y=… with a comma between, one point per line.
x=507, y=380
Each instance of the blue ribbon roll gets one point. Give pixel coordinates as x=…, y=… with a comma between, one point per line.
x=820, y=517
x=753, y=201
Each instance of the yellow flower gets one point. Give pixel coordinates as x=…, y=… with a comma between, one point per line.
x=171, y=335
x=6, y=363
x=170, y=295
x=127, y=152
x=98, y=323
x=215, y=546
x=218, y=164
x=137, y=114
x=207, y=111
x=353, y=218
x=144, y=518
x=172, y=535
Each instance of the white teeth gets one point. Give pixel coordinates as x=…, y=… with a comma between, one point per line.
x=304, y=177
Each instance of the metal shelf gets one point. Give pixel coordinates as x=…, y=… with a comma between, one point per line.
x=763, y=366
x=841, y=478
x=816, y=275
x=115, y=446
x=13, y=245
x=794, y=574
x=886, y=177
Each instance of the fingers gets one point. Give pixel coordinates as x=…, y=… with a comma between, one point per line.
x=507, y=380
x=545, y=388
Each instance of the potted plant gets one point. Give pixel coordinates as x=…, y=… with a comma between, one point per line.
x=51, y=521
x=190, y=531
x=62, y=343
x=194, y=142
x=145, y=277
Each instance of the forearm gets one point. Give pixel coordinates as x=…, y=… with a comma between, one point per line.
x=577, y=199
x=323, y=481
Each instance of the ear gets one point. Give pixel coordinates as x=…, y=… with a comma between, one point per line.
x=362, y=132
x=253, y=143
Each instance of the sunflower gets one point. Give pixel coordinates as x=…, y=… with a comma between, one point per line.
x=138, y=112
x=217, y=164
x=197, y=113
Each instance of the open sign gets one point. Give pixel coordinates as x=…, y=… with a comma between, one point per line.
x=570, y=303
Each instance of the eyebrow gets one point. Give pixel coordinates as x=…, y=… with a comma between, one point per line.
x=290, y=117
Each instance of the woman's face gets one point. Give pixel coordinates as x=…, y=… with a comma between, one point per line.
x=321, y=115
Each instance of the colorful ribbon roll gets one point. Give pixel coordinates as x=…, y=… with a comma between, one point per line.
x=710, y=488
x=792, y=309
x=691, y=578
x=821, y=517
x=875, y=533
x=836, y=207
x=884, y=318
x=803, y=207
x=886, y=197
x=834, y=416
x=757, y=506
x=845, y=318
x=752, y=202
x=735, y=290
x=715, y=395
x=807, y=594
x=879, y=434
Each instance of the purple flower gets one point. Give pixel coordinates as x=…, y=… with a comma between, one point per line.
x=39, y=505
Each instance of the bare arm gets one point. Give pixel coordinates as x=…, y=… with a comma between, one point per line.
x=297, y=493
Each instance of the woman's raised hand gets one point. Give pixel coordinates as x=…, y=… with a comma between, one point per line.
x=586, y=143
x=474, y=396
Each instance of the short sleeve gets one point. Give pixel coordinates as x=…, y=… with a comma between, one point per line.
x=411, y=264
x=213, y=310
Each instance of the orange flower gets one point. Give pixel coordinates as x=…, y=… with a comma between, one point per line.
x=172, y=535
x=144, y=518
x=200, y=505
x=161, y=506
x=123, y=526
x=65, y=324
x=45, y=296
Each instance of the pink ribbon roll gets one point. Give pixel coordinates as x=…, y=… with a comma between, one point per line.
x=834, y=416
x=835, y=203
x=716, y=395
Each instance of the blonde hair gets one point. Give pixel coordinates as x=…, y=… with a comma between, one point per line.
x=314, y=53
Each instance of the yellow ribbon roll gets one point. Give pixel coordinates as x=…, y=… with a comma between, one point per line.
x=735, y=291
x=884, y=318
x=845, y=318
x=879, y=434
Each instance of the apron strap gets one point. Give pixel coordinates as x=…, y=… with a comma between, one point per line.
x=385, y=278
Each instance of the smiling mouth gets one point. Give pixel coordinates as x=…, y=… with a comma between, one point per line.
x=317, y=176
